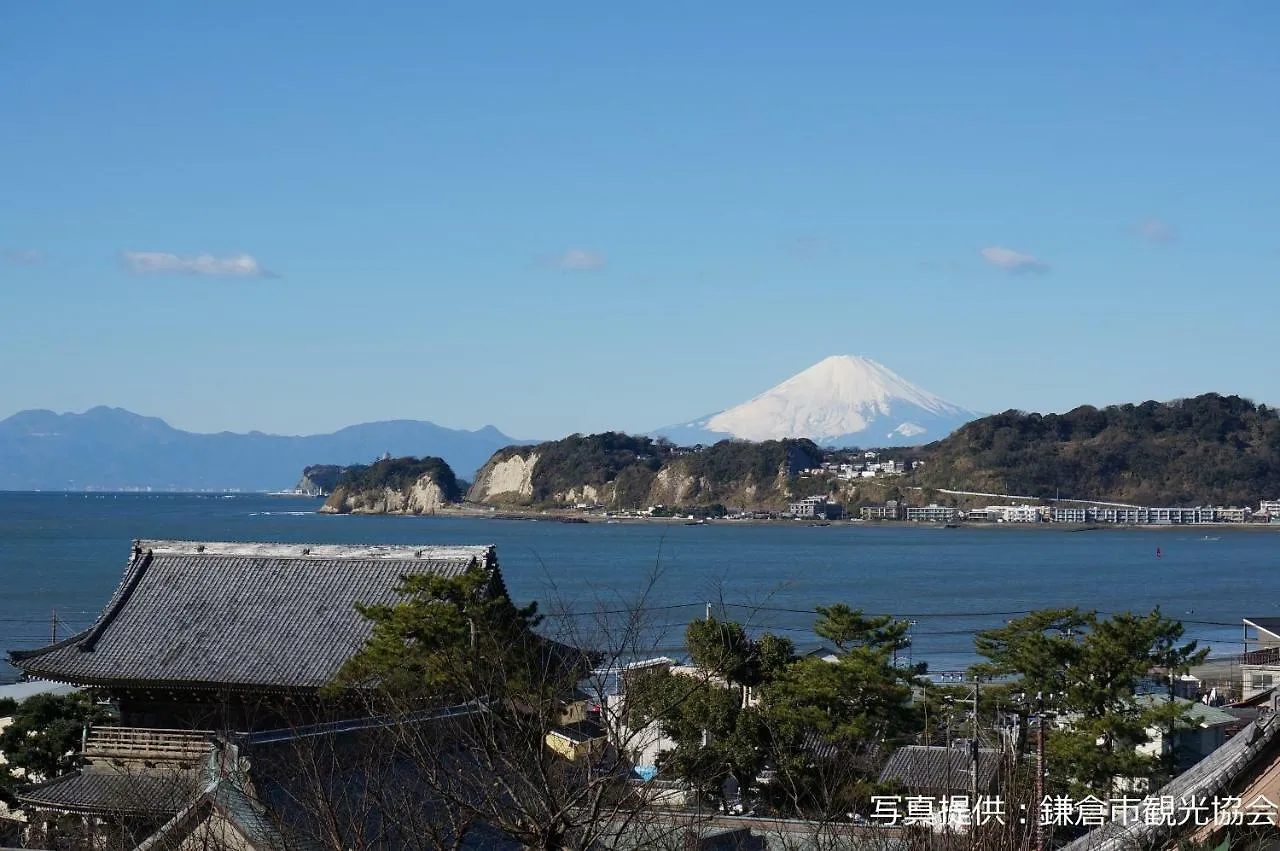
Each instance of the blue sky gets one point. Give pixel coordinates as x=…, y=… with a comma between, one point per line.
x=563, y=217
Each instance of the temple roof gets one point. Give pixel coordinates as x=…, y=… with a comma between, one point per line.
x=245, y=616
x=115, y=793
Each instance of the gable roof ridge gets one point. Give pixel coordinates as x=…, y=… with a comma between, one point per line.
x=137, y=567
x=485, y=553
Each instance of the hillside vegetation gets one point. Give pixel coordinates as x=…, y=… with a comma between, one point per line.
x=400, y=474
x=395, y=486
x=1211, y=449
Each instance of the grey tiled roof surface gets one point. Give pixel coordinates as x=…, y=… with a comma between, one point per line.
x=109, y=792
x=252, y=616
x=929, y=767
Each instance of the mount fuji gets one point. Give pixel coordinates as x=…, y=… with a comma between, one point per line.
x=844, y=400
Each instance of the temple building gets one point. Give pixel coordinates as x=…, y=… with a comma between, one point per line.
x=214, y=656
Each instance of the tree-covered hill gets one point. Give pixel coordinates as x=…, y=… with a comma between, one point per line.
x=1210, y=449
x=399, y=474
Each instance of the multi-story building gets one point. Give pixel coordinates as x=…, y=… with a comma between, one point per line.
x=1014, y=513
x=891, y=510
x=1142, y=516
x=817, y=507
x=1270, y=507
x=1070, y=515
x=931, y=513
x=1231, y=515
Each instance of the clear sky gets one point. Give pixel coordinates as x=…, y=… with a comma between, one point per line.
x=560, y=217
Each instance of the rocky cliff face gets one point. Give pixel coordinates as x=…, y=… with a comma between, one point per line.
x=395, y=486
x=424, y=496
x=506, y=478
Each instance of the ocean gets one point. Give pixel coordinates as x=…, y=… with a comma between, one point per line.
x=61, y=556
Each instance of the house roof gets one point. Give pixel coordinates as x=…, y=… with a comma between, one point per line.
x=934, y=767
x=1270, y=625
x=94, y=791
x=580, y=732
x=240, y=615
x=1202, y=714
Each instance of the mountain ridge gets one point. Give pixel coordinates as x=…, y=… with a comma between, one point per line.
x=106, y=448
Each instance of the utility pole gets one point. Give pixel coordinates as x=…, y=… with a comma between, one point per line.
x=1039, y=846
x=53, y=626
x=973, y=749
x=708, y=611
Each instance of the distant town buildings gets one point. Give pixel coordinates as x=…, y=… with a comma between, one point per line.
x=867, y=469
x=1100, y=514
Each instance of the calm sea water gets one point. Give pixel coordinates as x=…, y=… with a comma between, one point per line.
x=64, y=554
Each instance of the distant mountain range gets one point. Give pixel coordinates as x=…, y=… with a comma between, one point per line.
x=114, y=449
x=844, y=400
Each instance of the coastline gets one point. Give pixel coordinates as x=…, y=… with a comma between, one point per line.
x=573, y=516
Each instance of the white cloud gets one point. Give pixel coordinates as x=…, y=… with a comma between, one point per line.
x=1013, y=261
x=578, y=259
x=23, y=258
x=1156, y=231
x=161, y=263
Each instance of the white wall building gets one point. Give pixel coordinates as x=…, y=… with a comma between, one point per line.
x=931, y=513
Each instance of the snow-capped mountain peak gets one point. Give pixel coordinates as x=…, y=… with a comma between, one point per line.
x=842, y=400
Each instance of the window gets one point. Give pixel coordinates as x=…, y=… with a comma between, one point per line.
x=1261, y=681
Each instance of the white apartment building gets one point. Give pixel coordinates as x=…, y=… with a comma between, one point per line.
x=931, y=513
x=1014, y=513
x=1070, y=515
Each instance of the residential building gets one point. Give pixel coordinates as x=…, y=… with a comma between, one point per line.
x=1205, y=732
x=817, y=507
x=931, y=513
x=942, y=774
x=939, y=772
x=1231, y=515
x=891, y=510
x=980, y=515
x=1069, y=515
x=1141, y=516
x=1014, y=513
x=1269, y=507
x=1260, y=664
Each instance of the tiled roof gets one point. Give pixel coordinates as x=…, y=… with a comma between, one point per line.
x=257, y=616
x=112, y=793
x=931, y=767
x=1202, y=715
